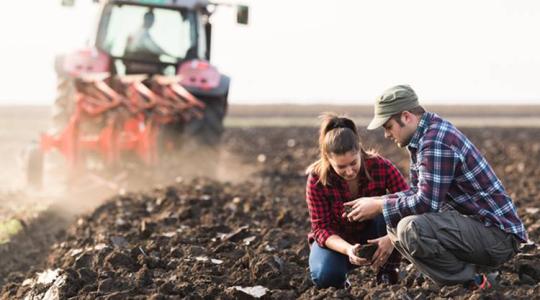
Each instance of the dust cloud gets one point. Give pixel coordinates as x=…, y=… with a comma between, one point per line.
x=70, y=195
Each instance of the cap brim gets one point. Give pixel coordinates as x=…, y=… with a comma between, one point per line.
x=377, y=122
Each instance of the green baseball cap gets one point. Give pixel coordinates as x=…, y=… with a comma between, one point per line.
x=393, y=101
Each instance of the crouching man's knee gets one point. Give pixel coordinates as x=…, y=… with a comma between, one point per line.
x=408, y=234
x=325, y=276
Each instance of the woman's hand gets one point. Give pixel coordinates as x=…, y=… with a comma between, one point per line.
x=363, y=208
x=384, y=250
x=355, y=260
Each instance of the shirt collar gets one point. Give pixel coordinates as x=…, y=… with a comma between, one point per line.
x=420, y=130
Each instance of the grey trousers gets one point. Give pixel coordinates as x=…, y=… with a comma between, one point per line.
x=448, y=246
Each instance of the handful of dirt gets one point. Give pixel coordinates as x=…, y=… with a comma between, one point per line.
x=347, y=209
x=366, y=251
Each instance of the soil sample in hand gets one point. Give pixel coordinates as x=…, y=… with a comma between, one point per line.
x=366, y=251
x=347, y=209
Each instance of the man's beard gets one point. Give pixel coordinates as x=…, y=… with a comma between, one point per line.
x=406, y=142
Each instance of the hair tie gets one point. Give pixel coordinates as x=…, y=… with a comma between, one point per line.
x=339, y=123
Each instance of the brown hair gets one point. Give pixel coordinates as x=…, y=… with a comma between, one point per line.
x=418, y=111
x=337, y=135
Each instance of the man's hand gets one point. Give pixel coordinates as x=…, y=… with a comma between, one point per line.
x=364, y=208
x=383, y=251
x=355, y=260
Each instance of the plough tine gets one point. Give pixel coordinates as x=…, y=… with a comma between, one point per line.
x=180, y=90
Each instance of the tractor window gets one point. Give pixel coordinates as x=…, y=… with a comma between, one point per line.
x=167, y=34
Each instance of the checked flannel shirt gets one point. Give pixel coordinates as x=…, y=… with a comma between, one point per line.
x=325, y=203
x=448, y=171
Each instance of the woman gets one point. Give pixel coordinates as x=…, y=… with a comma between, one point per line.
x=344, y=172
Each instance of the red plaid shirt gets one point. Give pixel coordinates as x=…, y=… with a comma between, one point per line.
x=325, y=203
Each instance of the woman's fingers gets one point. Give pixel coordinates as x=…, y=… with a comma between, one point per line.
x=380, y=260
x=358, y=261
x=355, y=260
x=376, y=256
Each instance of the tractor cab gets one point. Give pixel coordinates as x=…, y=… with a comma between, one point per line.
x=152, y=37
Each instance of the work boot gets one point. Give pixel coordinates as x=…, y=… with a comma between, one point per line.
x=482, y=281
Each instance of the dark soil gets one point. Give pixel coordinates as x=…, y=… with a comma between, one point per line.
x=201, y=238
x=28, y=249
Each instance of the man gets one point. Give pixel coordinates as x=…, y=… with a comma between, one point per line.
x=141, y=43
x=456, y=216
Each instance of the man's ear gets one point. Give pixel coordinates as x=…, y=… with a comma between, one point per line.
x=407, y=117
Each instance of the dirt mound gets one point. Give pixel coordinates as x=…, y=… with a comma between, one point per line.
x=27, y=250
x=211, y=239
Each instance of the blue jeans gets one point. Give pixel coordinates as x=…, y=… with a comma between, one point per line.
x=329, y=268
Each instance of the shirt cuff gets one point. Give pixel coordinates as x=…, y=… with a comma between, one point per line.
x=398, y=194
x=322, y=236
x=390, y=212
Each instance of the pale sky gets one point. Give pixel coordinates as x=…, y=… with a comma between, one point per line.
x=314, y=51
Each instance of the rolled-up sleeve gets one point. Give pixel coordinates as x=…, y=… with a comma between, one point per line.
x=437, y=163
x=320, y=210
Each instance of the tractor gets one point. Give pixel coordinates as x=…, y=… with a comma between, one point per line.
x=144, y=86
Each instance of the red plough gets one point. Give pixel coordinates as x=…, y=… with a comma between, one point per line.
x=124, y=121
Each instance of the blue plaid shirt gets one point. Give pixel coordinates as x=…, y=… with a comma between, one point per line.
x=448, y=171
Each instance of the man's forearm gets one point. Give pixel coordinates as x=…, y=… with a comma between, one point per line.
x=406, y=204
x=380, y=204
